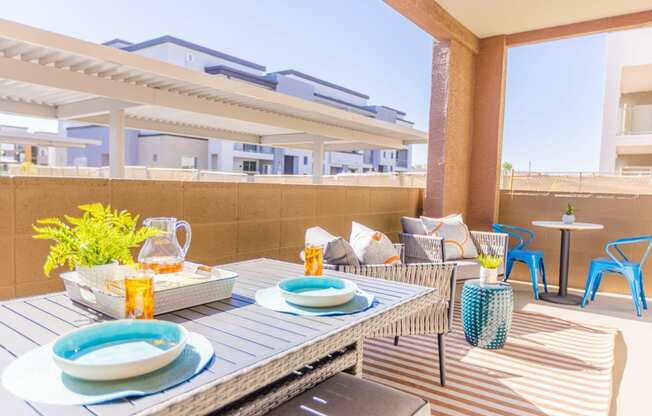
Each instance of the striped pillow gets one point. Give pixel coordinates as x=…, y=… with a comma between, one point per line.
x=372, y=247
x=458, y=243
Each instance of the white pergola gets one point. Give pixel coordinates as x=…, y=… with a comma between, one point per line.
x=45, y=74
x=15, y=135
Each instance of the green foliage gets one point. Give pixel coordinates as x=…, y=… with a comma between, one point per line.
x=98, y=237
x=489, y=262
x=570, y=210
x=507, y=166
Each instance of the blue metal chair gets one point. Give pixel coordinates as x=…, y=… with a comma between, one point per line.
x=532, y=258
x=618, y=263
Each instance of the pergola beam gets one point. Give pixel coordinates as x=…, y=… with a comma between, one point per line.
x=176, y=129
x=91, y=107
x=27, y=109
x=75, y=81
x=292, y=138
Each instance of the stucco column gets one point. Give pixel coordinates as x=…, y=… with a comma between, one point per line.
x=465, y=137
x=117, y=144
x=488, y=114
x=450, y=134
x=318, y=161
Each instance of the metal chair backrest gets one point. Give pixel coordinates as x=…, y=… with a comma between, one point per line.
x=613, y=249
x=522, y=235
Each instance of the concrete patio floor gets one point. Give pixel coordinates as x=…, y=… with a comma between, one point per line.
x=633, y=357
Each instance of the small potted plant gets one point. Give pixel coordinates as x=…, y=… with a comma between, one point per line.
x=489, y=268
x=94, y=244
x=569, y=216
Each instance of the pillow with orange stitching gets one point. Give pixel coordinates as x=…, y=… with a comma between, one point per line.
x=458, y=243
x=372, y=247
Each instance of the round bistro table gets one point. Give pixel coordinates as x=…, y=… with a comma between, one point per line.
x=562, y=296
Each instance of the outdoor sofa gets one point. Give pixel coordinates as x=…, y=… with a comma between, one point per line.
x=420, y=247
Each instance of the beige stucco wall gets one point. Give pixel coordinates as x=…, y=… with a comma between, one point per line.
x=230, y=221
x=621, y=215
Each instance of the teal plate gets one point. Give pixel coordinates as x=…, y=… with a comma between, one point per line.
x=120, y=349
x=317, y=292
x=271, y=298
x=35, y=376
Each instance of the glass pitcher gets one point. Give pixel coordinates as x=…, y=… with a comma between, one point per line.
x=162, y=253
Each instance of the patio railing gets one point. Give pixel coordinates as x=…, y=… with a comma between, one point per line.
x=628, y=182
x=403, y=179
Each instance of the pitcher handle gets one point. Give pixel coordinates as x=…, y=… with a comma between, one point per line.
x=184, y=224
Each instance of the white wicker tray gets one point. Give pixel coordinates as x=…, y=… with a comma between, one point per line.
x=217, y=286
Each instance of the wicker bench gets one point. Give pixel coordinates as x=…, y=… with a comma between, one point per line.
x=345, y=395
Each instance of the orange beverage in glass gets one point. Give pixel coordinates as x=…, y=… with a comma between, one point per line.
x=163, y=264
x=313, y=260
x=139, y=294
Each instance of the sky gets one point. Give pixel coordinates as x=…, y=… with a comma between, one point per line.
x=554, y=91
x=553, y=105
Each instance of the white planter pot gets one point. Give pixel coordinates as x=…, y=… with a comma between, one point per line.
x=488, y=276
x=97, y=276
x=568, y=219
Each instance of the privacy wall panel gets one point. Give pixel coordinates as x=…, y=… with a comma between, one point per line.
x=230, y=221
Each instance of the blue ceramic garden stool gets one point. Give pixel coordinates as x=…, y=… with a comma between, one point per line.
x=486, y=313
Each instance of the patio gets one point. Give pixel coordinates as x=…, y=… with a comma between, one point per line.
x=265, y=358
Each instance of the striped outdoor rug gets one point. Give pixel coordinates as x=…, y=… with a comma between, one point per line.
x=548, y=367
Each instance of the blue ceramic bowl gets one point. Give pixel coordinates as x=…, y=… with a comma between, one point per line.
x=317, y=292
x=119, y=349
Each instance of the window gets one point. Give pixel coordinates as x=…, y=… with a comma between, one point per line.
x=305, y=160
x=251, y=148
x=384, y=154
x=154, y=157
x=249, y=165
x=189, y=162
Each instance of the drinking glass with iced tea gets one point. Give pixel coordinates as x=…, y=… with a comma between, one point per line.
x=313, y=260
x=139, y=294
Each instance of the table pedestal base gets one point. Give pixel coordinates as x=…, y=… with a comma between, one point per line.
x=562, y=300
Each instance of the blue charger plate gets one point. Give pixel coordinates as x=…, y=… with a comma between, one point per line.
x=35, y=376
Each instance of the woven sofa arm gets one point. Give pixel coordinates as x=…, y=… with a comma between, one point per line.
x=422, y=248
x=492, y=244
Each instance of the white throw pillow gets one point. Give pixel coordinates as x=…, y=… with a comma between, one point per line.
x=336, y=249
x=458, y=243
x=372, y=247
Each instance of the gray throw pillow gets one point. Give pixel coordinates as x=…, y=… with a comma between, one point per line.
x=413, y=226
x=336, y=249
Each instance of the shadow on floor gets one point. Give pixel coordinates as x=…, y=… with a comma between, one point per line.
x=619, y=369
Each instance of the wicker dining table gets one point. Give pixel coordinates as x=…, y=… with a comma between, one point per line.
x=262, y=357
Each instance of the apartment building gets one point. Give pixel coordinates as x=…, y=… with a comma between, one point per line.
x=164, y=150
x=627, y=118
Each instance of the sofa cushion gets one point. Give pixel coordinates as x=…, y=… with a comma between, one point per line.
x=372, y=247
x=467, y=269
x=412, y=226
x=336, y=249
x=458, y=243
x=346, y=395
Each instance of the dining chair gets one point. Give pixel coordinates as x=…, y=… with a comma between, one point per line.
x=618, y=263
x=520, y=253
